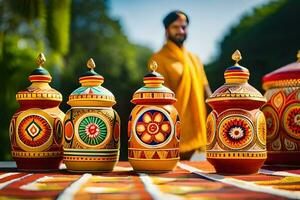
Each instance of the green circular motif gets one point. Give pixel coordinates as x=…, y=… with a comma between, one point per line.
x=92, y=130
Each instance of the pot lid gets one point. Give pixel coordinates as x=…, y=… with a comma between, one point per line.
x=153, y=92
x=39, y=88
x=286, y=76
x=91, y=93
x=236, y=85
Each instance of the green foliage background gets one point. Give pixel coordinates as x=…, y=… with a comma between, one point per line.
x=268, y=38
x=69, y=33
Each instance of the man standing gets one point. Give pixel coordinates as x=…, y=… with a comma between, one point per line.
x=184, y=74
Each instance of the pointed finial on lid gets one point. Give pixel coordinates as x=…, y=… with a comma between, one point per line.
x=236, y=56
x=91, y=64
x=153, y=66
x=298, y=56
x=41, y=59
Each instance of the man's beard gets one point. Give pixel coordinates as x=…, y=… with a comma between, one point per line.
x=178, y=41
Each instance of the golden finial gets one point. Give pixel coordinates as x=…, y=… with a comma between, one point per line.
x=153, y=66
x=236, y=56
x=91, y=64
x=41, y=59
x=298, y=56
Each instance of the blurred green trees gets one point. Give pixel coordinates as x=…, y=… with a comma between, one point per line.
x=68, y=32
x=268, y=38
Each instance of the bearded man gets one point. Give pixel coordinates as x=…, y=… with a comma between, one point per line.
x=184, y=74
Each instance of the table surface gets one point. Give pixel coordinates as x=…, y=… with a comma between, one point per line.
x=190, y=180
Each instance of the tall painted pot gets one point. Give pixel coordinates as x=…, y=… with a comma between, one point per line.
x=36, y=127
x=236, y=128
x=153, y=127
x=91, y=127
x=282, y=112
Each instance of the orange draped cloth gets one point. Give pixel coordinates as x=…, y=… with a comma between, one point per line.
x=184, y=75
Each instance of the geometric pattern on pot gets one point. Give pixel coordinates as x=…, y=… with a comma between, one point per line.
x=58, y=130
x=68, y=130
x=236, y=132
x=291, y=120
x=117, y=131
x=210, y=130
x=34, y=131
x=261, y=128
x=129, y=124
x=93, y=130
x=12, y=127
x=177, y=128
x=153, y=127
x=272, y=122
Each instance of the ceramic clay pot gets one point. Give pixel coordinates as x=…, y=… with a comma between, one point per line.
x=91, y=127
x=236, y=128
x=36, y=127
x=282, y=112
x=153, y=127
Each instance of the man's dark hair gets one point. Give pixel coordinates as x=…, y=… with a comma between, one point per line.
x=173, y=16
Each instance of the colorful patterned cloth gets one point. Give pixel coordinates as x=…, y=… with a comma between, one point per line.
x=190, y=180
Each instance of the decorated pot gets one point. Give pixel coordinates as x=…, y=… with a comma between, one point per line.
x=91, y=127
x=236, y=128
x=282, y=112
x=153, y=126
x=36, y=127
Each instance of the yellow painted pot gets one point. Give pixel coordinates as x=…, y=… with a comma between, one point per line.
x=153, y=127
x=91, y=127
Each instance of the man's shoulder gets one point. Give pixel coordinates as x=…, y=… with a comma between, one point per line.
x=159, y=53
x=194, y=56
x=159, y=56
x=191, y=53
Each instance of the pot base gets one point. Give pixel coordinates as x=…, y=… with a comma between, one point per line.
x=153, y=166
x=38, y=164
x=283, y=158
x=90, y=166
x=237, y=166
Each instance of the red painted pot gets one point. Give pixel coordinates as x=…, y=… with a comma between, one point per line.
x=36, y=127
x=236, y=128
x=282, y=113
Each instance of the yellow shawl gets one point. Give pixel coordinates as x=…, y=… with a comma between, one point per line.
x=184, y=74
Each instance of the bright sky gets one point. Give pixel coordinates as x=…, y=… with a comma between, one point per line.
x=209, y=21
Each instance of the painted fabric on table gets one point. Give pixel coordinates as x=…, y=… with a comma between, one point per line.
x=190, y=180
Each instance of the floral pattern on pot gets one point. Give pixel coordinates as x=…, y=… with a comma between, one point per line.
x=236, y=132
x=92, y=130
x=154, y=128
x=291, y=120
